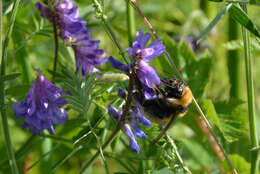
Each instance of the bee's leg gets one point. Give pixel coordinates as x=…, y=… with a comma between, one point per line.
x=163, y=132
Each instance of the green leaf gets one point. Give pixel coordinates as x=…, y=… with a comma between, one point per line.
x=216, y=0
x=66, y=157
x=238, y=44
x=18, y=90
x=214, y=22
x=209, y=110
x=198, y=154
x=233, y=117
x=241, y=17
x=239, y=163
x=9, y=77
x=165, y=170
x=199, y=73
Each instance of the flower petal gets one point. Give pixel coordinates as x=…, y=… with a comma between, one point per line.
x=113, y=112
x=158, y=49
x=20, y=109
x=136, y=129
x=147, y=74
x=121, y=93
x=117, y=64
x=140, y=116
x=133, y=143
x=141, y=40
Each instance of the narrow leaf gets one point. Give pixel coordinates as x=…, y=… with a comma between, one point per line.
x=214, y=22
x=9, y=77
x=241, y=17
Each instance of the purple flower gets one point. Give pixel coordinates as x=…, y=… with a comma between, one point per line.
x=133, y=143
x=74, y=33
x=41, y=108
x=141, y=57
x=113, y=112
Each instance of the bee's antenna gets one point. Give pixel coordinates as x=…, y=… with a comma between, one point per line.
x=169, y=73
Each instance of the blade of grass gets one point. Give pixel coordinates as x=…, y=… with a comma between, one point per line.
x=43, y=156
x=241, y=17
x=62, y=161
x=3, y=55
x=214, y=22
x=250, y=98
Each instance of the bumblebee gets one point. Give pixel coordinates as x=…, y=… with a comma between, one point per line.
x=172, y=99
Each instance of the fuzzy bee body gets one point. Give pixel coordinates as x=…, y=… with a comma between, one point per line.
x=172, y=100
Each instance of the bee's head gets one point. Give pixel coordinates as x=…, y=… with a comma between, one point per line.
x=174, y=88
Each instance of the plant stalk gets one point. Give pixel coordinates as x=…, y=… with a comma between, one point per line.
x=204, y=5
x=250, y=98
x=56, y=43
x=130, y=23
x=3, y=55
x=234, y=62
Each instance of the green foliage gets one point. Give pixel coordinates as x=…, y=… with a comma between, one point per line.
x=240, y=163
x=232, y=117
x=204, y=70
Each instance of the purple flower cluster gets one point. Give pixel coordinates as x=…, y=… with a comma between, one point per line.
x=41, y=108
x=141, y=57
x=74, y=33
x=148, y=78
x=132, y=129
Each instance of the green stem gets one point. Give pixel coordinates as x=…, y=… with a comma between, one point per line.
x=100, y=14
x=47, y=162
x=204, y=6
x=234, y=62
x=113, y=36
x=130, y=23
x=3, y=54
x=250, y=97
x=56, y=43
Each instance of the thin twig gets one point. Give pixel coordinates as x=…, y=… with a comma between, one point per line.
x=133, y=3
x=212, y=141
